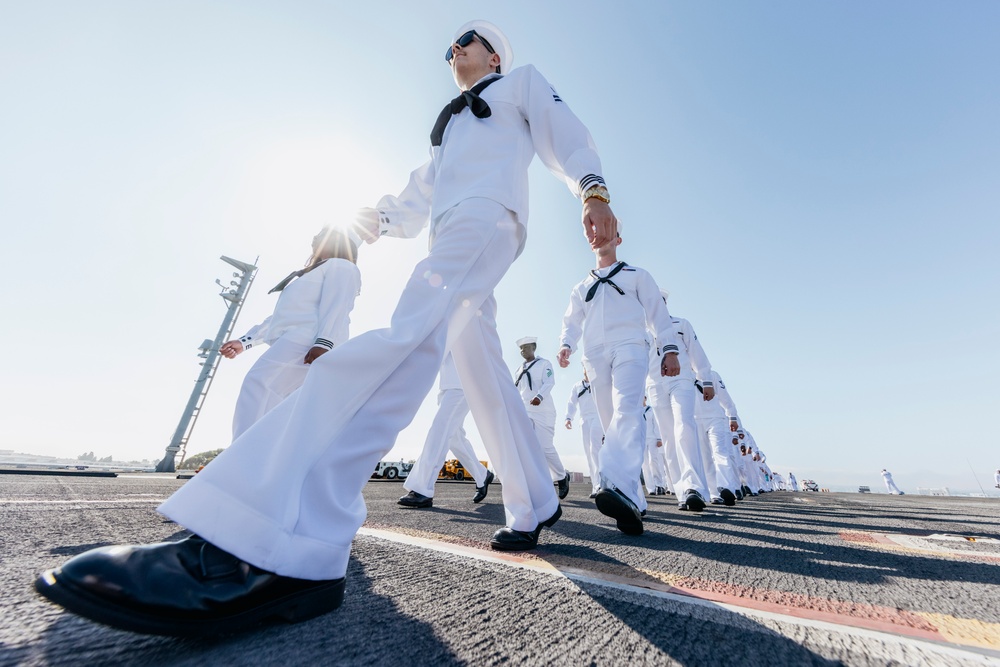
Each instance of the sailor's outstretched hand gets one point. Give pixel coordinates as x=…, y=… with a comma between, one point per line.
x=230, y=349
x=599, y=223
x=366, y=224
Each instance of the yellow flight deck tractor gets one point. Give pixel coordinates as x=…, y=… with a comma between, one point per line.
x=452, y=469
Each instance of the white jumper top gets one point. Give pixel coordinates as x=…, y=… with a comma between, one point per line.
x=489, y=157
x=581, y=396
x=314, y=308
x=652, y=428
x=534, y=379
x=720, y=407
x=691, y=356
x=610, y=318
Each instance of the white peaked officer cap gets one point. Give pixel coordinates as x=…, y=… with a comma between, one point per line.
x=495, y=37
x=527, y=340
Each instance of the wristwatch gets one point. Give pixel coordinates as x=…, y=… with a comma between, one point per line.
x=597, y=192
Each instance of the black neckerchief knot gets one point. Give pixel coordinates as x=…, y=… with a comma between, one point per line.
x=586, y=388
x=293, y=275
x=524, y=371
x=468, y=98
x=600, y=281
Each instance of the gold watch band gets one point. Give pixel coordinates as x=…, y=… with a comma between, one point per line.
x=597, y=192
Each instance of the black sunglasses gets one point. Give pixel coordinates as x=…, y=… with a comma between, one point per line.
x=465, y=40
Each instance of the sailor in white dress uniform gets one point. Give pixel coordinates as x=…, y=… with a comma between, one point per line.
x=581, y=396
x=673, y=401
x=311, y=317
x=447, y=432
x=608, y=316
x=715, y=419
x=654, y=466
x=890, y=485
x=534, y=379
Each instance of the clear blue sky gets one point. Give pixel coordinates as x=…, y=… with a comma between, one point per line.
x=817, y=184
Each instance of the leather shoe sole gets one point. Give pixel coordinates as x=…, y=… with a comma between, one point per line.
x=508, y=539
x=301, y=601
x=613, y=503
x=415, y=500
x=563, y=485
x=693, y=502
x=481, y=491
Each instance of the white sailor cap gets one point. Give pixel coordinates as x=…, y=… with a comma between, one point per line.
x=665, y=294
x=527, y=340
x=495, y=37
x=346, y=231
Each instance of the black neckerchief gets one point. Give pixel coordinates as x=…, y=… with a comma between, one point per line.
x=293, y=275
x=586, y=388
x=600, y=281
x=524, y=371
x=468, y=98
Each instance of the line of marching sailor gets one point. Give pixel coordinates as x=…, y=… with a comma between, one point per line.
x=654, y=417
x=644, y=429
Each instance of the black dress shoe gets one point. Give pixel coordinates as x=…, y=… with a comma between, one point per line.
x=727, y=497
x=184, y=589
x=417, y=500
x=508, y=539
x=615, y=504
x=739, y=494
x=593, y=495
x=563, y=485
x=693, y=502
x=747, y=491
x=660, y=491
x=717, y=501
x=481, y=491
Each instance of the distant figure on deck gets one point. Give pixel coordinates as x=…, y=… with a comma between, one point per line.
x=996, y=478
x=890, y=485
x=792, y=482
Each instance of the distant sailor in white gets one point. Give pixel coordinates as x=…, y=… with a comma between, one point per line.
x=447, y=431
x=582, y=397
x=792, y=482
x=311, y=317
x=715, y=419
x=890, y=485
x=673, y=401
x=654, y=466
x=608, y=315
x=535, y=380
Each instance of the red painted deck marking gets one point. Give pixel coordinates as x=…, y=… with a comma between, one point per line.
x=808, y=608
